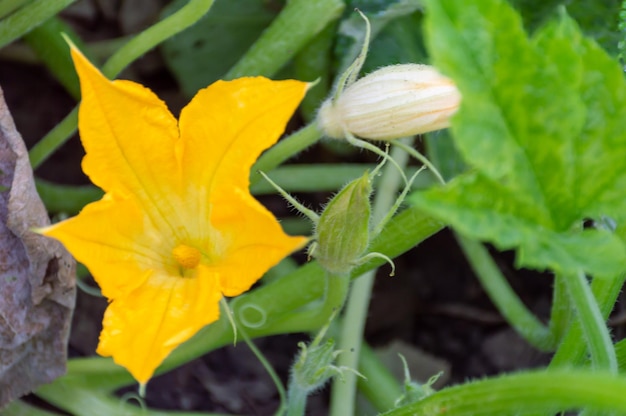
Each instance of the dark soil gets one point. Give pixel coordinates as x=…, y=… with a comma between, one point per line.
x=434, y=305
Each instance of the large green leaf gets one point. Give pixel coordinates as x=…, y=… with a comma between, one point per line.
x=543, y=126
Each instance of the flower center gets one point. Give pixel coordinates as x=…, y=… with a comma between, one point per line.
x=188, y=257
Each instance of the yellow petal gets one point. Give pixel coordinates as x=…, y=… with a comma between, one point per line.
x=115, y=241
x=141, y=329
x=254, y=241
x=129, y=137
x=230, y=123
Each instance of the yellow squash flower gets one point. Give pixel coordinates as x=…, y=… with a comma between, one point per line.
x=177, y=228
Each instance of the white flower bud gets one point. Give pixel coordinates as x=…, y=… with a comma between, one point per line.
x=392, y=102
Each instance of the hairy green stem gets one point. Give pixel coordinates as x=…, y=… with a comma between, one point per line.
x=285, y=149
x=573, y=348
x=335, y=293
x=134, y=48
x=344, y=391
x=561, y=310
x=620, y=352
x=592, y=322
x=297, y=399
x=545, y=392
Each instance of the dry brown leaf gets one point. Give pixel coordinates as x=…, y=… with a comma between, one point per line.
x=37, y=277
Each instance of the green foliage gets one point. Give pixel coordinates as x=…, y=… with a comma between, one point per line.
x=541, y=137
x=622, y=32
x=19, y=17
x=542, y=125
x=203, y=53
x=398, y=43
x=351, y=33
x=9, y=6
x=596, y=18
x=237, y=40
x=48, y=43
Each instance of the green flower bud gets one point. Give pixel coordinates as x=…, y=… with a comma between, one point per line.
x=314, y=366
x=342, y=233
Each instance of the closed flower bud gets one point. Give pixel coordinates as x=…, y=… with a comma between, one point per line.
x=392, y=102
x=342, y=232
x=314, y=365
